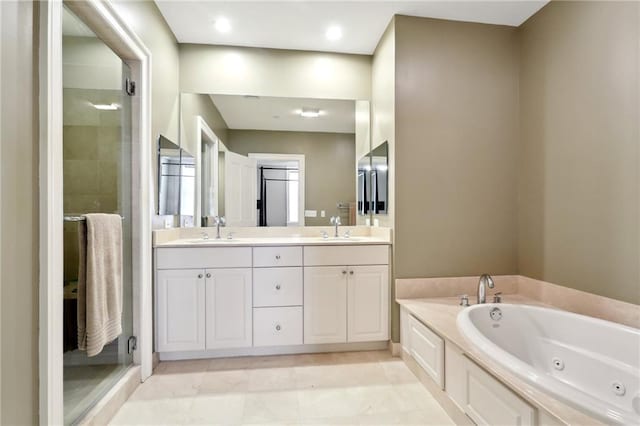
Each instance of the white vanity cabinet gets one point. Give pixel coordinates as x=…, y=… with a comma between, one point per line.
x=345, y=303
x=226, y=301
x=203, y=298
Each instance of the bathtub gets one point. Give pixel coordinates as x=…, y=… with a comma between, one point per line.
x=591, y=364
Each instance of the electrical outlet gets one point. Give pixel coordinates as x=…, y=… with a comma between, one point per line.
x=322, y=213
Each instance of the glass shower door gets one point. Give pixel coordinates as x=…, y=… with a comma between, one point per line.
x=97, y=179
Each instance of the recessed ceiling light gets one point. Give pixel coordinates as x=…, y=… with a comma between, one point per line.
x=310, y=112
x=223, y=25
x=106, y=107
x=334, y=33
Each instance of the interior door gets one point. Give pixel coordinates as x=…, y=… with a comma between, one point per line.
x=240, y=190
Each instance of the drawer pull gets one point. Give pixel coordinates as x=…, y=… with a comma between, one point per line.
x=199, y=275
x=208, y=274
x=344, y=272
x=277, y=286
x=278, y=328
x=277, y=257
x=350, y=272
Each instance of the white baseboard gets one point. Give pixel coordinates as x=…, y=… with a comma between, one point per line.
x=395, y=348
x=275, y=350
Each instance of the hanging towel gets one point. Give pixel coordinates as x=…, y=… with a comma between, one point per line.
x=99, y=281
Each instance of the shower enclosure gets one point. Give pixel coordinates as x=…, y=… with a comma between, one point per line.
x=97, y=179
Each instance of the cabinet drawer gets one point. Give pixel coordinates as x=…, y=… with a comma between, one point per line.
x=277, y=256
x=277, y=326
x=277, y=287
x=489, y=402
x=346, y=255
x=203, y=257
x=427, y=348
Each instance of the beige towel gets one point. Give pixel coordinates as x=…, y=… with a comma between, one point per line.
x=99, y=281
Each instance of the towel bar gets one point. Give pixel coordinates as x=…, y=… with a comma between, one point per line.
x=78, y=218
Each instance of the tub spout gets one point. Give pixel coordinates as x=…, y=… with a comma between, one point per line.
x=485, y=280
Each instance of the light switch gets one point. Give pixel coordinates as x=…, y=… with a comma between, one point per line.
x=322, y=213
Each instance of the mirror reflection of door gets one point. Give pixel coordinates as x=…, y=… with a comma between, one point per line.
x=240, y=190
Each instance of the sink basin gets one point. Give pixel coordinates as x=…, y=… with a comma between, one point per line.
x=211, y=240
x=334, y=239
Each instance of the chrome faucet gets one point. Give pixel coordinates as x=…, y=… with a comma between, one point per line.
x=335, y=221
x=485, y=280
x=219, y=221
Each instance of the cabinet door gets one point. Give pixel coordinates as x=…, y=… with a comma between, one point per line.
x=229, y=308
x=325, y=304
x=368, y=303
x=180, y=314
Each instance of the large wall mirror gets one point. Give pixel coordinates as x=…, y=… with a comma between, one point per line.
x=274, y=161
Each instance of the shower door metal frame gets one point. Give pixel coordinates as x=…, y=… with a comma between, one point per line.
x=103, y=19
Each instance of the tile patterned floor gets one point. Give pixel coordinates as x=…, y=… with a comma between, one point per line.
x=353, y=388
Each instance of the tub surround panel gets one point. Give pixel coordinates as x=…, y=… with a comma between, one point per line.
x=541, y=292
x=440, y=314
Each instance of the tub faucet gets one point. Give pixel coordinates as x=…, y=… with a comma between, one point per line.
x=335, y=221
x=485, y=280
x=219, y=221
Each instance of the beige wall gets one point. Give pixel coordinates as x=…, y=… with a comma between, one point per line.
x=329, y=164
x=148, y=23
x=383, y=80
x=19, y=213
x=273, y=72
x=456, y=122
x=192, y=106
x=579, y=161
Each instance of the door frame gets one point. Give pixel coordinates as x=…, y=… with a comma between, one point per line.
x=102, y=18
x=203, y=128
x=302, y=182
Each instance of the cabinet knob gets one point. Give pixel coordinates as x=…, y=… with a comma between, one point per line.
x=344, y=272
x=199, y=275
x=277, y=257
x=278, y=328
x=208, y=274
x=277, y=286
x=350, y=272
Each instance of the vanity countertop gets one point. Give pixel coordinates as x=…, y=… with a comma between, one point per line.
x=439, y=314
x=273, y=241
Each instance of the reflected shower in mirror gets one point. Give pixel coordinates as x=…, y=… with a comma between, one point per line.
x=271, y=161
x=379, y=179
x=176, y=180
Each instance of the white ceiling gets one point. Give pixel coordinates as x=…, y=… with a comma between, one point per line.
x=270, y=113
x=301, y=25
